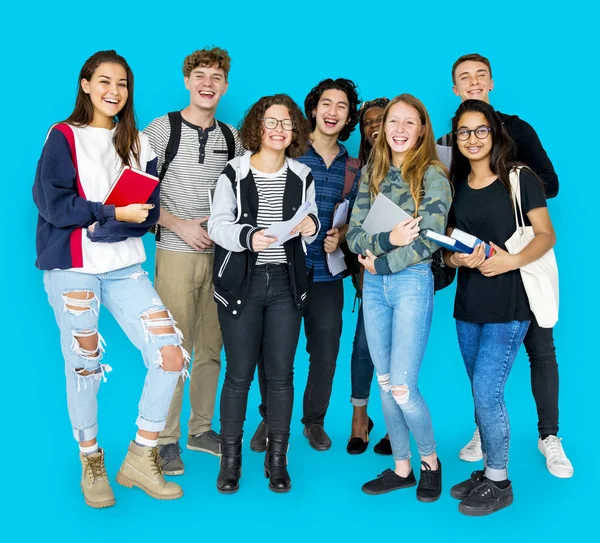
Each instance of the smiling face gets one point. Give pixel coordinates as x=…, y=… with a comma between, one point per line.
x=332, y=112
x=403, y=128
x=206, y=85
x=107, y=90
x=276, y=139
x=372, y=123
x=473, y=81
x=474, y=148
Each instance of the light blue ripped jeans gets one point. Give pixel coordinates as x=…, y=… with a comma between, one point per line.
x=129, y=295
x=397, y=310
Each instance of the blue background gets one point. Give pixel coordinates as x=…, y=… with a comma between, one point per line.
x=543, y=66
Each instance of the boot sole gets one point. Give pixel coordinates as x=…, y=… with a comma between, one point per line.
x=475, y=512
x=98, y=505
x=280, y=490
x=199, y=449
x=228, y=491
x=128, y=483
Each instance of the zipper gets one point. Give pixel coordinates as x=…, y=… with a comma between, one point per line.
x=224, y=265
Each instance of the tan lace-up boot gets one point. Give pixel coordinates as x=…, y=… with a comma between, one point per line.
x=141, y=468
x=94, y=482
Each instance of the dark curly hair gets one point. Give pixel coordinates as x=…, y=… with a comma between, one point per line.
x=251, y=127
x=207, y=57
x=365, y=146
x=341, y=84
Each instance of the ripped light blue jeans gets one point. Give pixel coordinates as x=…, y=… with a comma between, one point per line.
x=129, y=295
x=398, y=309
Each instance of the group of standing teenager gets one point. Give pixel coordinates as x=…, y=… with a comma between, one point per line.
x=222, y=281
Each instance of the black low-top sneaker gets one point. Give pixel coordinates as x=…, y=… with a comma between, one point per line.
x=387, y=481
x=486, y=498
x=462, y=490
x=430, y=483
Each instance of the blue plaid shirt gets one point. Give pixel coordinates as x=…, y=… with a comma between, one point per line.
x=329, y=186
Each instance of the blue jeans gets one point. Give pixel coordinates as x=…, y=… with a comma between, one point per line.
x=361, y=365
x=489, y=351
x=129, y=295
x=398, y=310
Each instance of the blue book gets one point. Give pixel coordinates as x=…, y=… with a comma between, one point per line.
x=459, y=241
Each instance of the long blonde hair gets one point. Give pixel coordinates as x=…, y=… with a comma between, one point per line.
x=418, y=159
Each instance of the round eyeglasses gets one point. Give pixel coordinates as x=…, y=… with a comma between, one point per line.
x=481, y=132
x=271, y=123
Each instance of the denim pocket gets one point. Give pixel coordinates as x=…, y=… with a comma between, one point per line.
x=421, y=268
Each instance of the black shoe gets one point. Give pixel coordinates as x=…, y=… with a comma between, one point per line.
x=357, y=445
x=317, y=437
x=387, y=481
x=276, y=465
x=486, y=498
x=462, y=490
x=258, y=443
x=383, y=447
x=430, y=483
x=230, y=470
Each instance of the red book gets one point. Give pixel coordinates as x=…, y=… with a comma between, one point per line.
x=131, y=187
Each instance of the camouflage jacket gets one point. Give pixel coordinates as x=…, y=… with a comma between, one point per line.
x=434, y=208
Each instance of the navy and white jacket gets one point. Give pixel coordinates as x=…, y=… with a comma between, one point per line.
x=233, y=222
x=74, y=175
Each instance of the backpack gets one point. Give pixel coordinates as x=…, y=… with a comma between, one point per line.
x=175, y=121
x=354, y=267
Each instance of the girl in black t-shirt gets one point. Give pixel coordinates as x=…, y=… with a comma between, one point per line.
x=491, y=308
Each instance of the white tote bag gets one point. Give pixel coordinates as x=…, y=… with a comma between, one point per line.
x=540, y=277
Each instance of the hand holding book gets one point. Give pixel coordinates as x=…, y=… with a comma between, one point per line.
x=405, y=232
x=136, y=213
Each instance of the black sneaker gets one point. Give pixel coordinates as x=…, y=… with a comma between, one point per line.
x=462, y=490
x=383, y=447
x=430, y=483
x=387, y=481
x=486, y=498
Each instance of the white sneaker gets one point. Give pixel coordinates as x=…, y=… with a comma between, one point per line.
x=556, y=460
x=471, y=452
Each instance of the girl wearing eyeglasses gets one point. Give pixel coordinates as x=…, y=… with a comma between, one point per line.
x=398, y=285
x=260, y=285
x=491, y=308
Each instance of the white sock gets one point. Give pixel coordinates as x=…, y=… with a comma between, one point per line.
x=145, y=442
x=89, y=450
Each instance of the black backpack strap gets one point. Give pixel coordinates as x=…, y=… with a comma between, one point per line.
x=173, y=143
x=229, y=140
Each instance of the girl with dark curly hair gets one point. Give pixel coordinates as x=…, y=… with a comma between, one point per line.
x=261, y=284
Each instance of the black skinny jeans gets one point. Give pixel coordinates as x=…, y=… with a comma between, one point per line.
x=539, y=344
x=269, y=324
x=323, y=328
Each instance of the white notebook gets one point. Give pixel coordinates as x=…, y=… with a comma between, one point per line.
x=383, y=216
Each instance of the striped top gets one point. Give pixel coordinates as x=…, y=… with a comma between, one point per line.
x=270, y=188
x=184, y=192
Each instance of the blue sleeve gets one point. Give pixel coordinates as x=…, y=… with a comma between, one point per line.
x=55, y=189
x=113, y=230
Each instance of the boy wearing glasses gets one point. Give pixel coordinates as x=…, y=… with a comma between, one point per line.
x=332, y=110
x=472, y=79
x=193, y=149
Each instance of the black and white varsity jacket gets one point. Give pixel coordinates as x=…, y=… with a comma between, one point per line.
x=232, y=223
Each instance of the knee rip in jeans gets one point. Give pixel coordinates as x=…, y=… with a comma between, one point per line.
x=158, y=321
x=79, y=302
x=400, y=393
x=384, y=382
x=82, y=340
